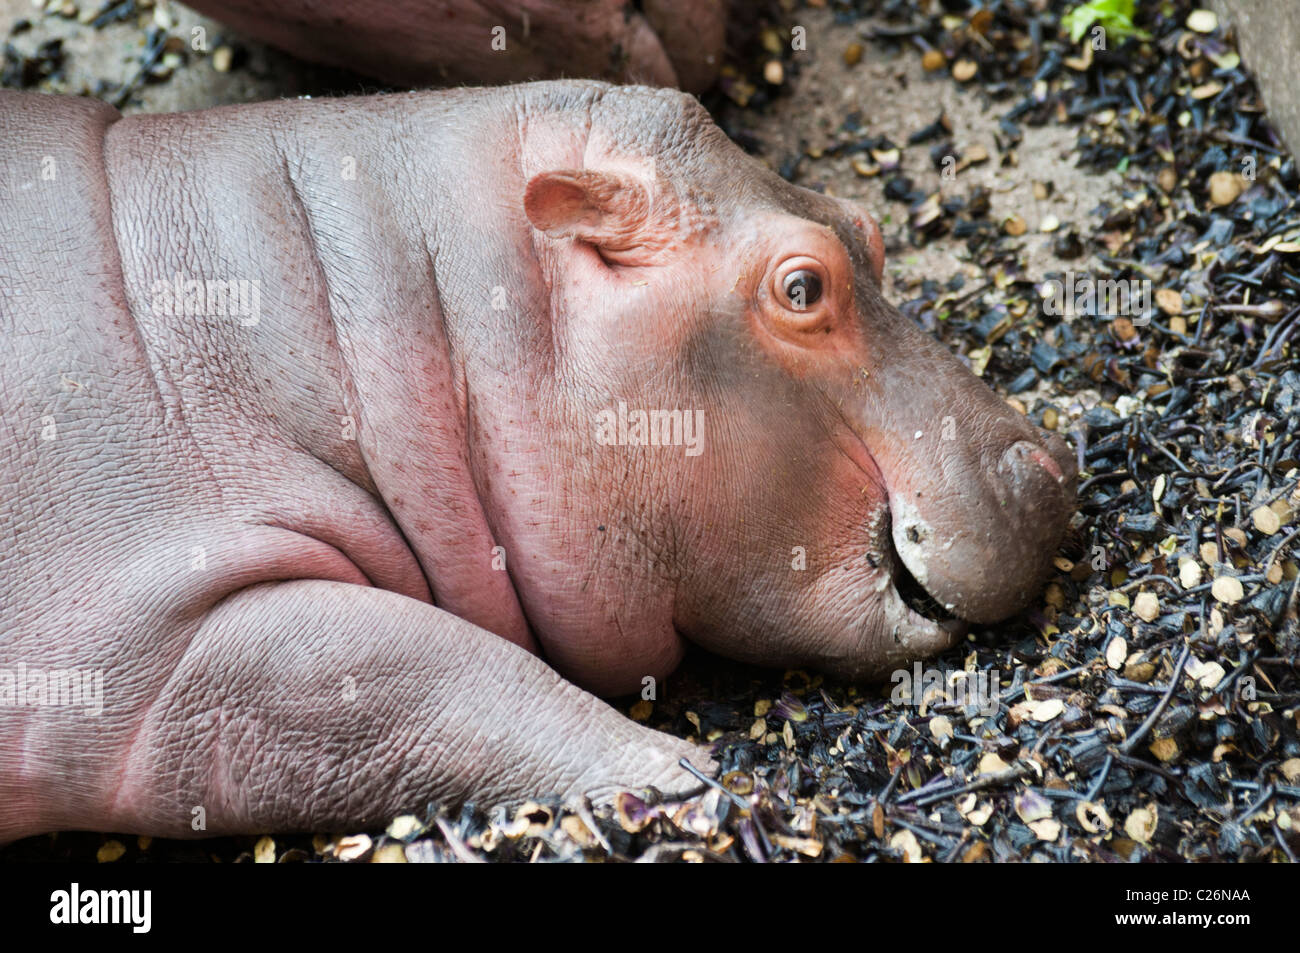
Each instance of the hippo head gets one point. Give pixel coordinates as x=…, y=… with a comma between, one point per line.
x=813, y=478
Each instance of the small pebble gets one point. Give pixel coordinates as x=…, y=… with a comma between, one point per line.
x=1116, y=652
x=1203, y=21
x=1169, y=300
x=264, y=851
x=1227, y=589
x=1146, y=606
x=389, y=854
x=1265, y=520
x=933, y=60
x=1225, y=187
x=864, y=168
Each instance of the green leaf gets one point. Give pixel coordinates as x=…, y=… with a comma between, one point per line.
x=1115, y=17
x=1077, y=22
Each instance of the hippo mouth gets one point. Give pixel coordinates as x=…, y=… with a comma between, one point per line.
x=918, y=600
x=926, y=617
x=918, y=617
x=961, y=541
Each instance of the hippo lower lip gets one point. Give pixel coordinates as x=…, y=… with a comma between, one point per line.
x=913, y=615
x=917, y=598
x=920, y=620
x=925, y=609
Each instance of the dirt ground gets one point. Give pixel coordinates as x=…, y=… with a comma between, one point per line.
x=112, y=53
x=894, y=95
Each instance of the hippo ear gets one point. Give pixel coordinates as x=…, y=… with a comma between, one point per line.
x=610, y=210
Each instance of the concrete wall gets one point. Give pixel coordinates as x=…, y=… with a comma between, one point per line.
x=1268, y=37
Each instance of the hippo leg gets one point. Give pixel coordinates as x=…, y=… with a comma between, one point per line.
x=313, y=705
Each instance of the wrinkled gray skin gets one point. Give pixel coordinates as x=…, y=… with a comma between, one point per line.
x=441, y=42
x=280, y=541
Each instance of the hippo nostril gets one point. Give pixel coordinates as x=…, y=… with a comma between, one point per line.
x=1064, y=456
x=1024, y=458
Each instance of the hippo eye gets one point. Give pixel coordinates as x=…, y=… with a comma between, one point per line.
x=802, y=288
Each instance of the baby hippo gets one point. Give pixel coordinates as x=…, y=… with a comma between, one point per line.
x=353, y=448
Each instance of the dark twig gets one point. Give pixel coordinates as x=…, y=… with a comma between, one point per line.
x=1156, y=712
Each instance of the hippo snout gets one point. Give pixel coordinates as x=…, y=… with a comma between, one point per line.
x=983, y=550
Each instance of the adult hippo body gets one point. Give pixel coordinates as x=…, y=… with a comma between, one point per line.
x=310, y=451
x=424, y=42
